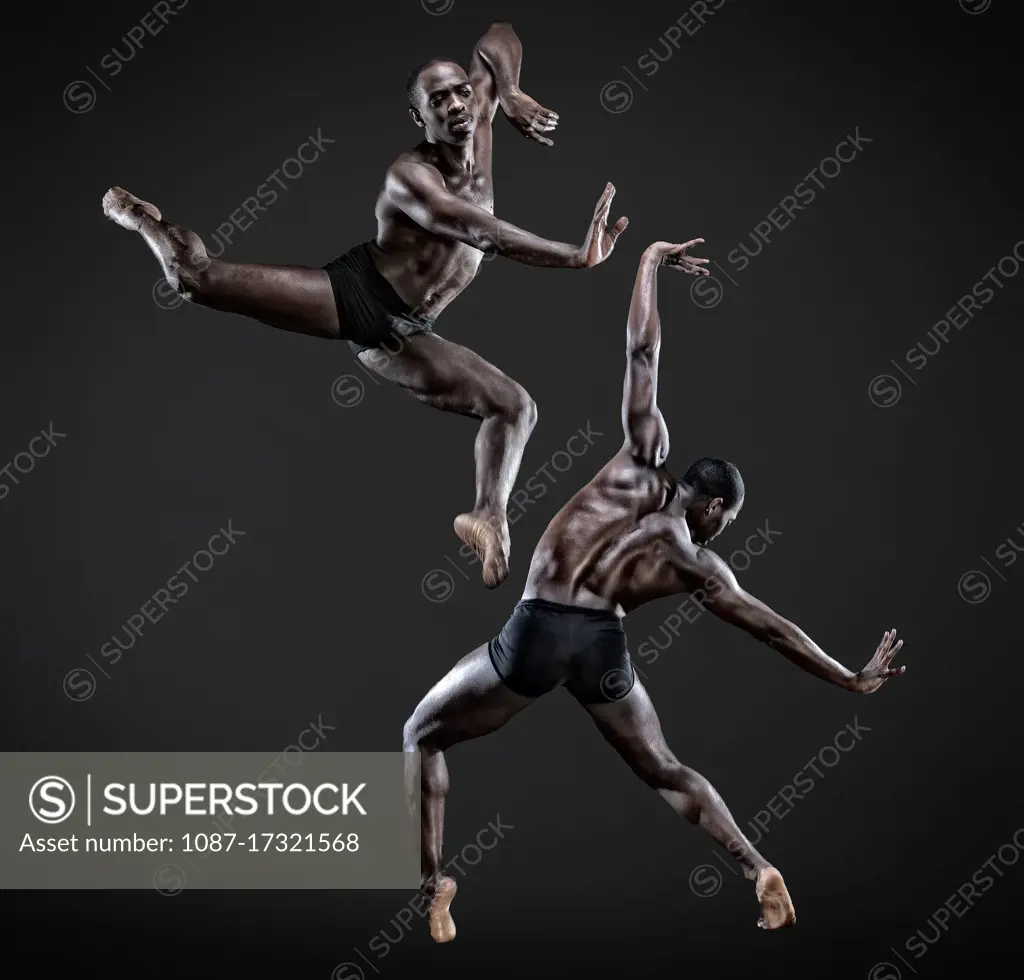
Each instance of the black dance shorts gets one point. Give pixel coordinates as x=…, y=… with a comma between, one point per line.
x=546, y=644
x=370, y=312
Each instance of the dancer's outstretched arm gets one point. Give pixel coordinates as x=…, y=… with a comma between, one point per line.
x=494, y=72
x=645, y=429
x=419, y=191
x=723, y=595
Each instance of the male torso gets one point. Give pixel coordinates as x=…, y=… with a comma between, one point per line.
x=428, y=271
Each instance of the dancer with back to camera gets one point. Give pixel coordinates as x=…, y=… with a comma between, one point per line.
x=434, y=223
x=635, y=533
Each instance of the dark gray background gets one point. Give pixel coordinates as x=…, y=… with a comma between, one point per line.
x=178, y=420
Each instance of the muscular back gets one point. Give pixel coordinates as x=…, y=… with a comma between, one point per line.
x=616, y=544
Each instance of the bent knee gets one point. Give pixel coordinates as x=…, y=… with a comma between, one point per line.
x=412, y=735
x=528, y=409
x=514, y=402
x=665, y=772
x=420, y=732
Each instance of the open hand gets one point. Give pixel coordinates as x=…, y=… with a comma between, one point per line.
x=530, y=117
x=601, y=239
x=675, y=257
x=878, y=671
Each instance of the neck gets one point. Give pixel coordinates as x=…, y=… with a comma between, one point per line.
x=682, y=498
x=453, y=159
x=685, y=495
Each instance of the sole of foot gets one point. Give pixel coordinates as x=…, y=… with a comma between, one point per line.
x=485, y=540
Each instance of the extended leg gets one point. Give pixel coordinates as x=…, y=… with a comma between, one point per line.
x=631, y=726
x=455, y=379
x=289, y=297
x=470, y=701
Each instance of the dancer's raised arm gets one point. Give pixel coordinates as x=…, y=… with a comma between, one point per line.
x=646, y=433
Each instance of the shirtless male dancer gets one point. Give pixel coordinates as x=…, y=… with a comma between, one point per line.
x=633, y=534
x=434, y=223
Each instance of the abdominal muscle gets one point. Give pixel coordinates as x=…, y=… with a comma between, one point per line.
x=427, y=271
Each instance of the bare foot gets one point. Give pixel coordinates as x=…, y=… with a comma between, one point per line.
x=776, y=906
x=488, y=542
x=442, y=926
x=127, y=209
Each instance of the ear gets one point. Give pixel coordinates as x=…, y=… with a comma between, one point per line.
x=414, y=114
x=714, y=506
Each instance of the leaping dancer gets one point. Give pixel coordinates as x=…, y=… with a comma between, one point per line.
x=435, y=221
x=633, y=534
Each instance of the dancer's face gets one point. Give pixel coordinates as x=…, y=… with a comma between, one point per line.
x=709, y=518
x=446, y=106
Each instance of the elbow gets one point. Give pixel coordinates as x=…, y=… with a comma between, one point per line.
x=480, y=239
x=499, y=31
x=773, y=632
x=455, y=226
x=640, y=350
x=769, y=634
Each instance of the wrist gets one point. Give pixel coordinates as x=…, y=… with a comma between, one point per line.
x=853, y=683
x=578, y=258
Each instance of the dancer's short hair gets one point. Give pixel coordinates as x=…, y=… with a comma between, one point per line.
x=711, y=477
x=412, y=83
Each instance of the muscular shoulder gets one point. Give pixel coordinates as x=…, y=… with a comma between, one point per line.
x=411, y=175
x=702, y=568
x=629, y=472
x=413, y=165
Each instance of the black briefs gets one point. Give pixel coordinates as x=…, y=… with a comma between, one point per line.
x=545, y=644
x=369, y=310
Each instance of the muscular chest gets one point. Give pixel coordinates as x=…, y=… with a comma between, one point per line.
x=474, y=189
